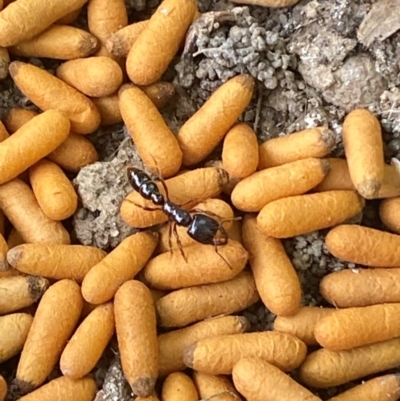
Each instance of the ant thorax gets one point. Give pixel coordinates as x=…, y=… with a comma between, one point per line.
x=178, y=215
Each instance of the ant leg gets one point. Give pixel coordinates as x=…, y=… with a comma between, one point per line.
x=221, y=221
x=224, y=239
x=211, y=214
x=164, y=185
x=216, y=251
x=170, y=235
x=178, y=241
x=172, y=229
x=208, y=213
x=221, y=241
x=148, y=209
x=188, y=202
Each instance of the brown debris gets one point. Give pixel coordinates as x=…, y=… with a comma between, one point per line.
x=382, y=21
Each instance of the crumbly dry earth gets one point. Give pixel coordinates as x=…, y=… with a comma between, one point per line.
x=312, y=63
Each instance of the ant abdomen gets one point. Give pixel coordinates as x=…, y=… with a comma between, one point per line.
x=147, y=188
x=137, y=178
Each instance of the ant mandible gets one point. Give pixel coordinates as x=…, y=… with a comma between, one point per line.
x=201, y=226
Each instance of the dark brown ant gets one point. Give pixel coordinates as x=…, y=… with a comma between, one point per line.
x=201, y=226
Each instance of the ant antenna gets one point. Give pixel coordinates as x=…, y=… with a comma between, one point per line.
x=221, y=241
x=216, y=216
x=225, y=235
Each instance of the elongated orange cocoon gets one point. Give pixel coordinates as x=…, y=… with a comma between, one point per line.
x=14, y=329
x=275, y=277
x=9, y=273
x=390, y=187
x=159, y=93
x=104, y=20
x=172, y=344
x=88, y=343
x=74, y=153
x=64, y=388
x=3, y=252
x=69, y=18
x=135, y=320
x=204, y=130
x=382, y=388
x=297, y=215
x=17, y=292
x=35, y=140
x=150, y=398
x=240, y=151
x=31, y=18
x=389, y=212
x=108, y=107
x=338, y=177
x=55, y=261
x=276, y=385
x=17, y=117
x=364, y=245
x=179, y=387
x=120, y=265
x=325, y=368
x=4, y=62
x=188, y=305
x=94, y=76
x=363, y=145
x=53, y=190
x=120, y=43
x=3, y=132
x=58, y=42
x=3, y=388
x=312, y=142
x=209, y=385
x=218, y=355
x=302, y=324
x=350, y=328
x=157, y=45
x=361, y=287
x=2, y=224
x=14, y=239
x=45, y=91
x=204, y=266
x=55, y=319
x=254, y=192
x=155, y=142
x=27, y=217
